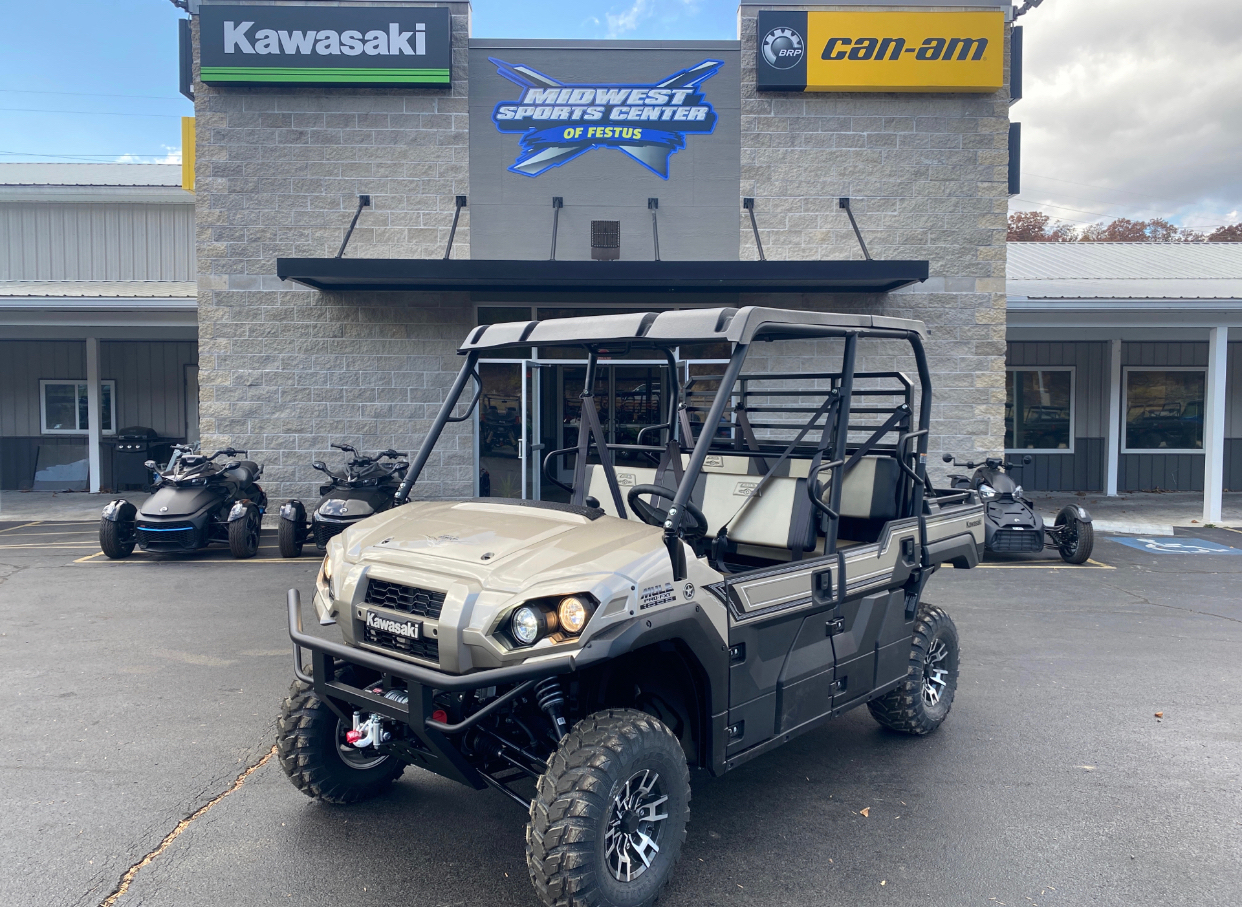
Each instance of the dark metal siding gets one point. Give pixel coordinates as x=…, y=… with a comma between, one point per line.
x=1082, y=470
x=150, y=388
x=1159, y=471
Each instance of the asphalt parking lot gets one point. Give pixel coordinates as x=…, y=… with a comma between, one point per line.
x=138, y=692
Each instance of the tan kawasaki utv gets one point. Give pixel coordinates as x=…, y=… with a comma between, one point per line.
x=762, y=574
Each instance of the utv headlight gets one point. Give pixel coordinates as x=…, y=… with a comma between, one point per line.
x=528, y=624
x=573, y=613
x=325, y=574
x=987, y=492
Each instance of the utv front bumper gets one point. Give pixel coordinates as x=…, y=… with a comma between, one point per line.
x=433, y=744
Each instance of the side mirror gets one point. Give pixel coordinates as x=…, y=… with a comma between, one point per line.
x=320, y=465
x=151, y=465
x=948, y=458
x=1028, y=460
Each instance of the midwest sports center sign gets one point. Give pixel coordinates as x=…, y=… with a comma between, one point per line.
x=558, y=121
x=880, y=51
x=313, y=44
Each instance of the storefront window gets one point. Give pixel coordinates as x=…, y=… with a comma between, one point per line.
x=1039, y=410
x=1164, y=409
x=65, y=408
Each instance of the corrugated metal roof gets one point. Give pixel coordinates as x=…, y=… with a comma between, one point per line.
x=1125, y=270
x=99, y=289
x=42, y=174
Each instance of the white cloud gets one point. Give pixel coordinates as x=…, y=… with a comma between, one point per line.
x=621, y=23
x=1131, y=109
x=171, y=156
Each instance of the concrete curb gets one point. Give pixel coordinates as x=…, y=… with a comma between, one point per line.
x=1132, y=527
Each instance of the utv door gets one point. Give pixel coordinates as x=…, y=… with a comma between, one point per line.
x=781, y=656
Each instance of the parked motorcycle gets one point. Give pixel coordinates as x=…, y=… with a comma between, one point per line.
x=366, y=488
x=196, y=501
x=1011, y=524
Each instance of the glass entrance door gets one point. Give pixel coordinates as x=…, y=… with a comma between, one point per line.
x=629, y=397
x=529, y=408
x=508, y=429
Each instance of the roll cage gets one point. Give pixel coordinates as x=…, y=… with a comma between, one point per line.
x=740, y=417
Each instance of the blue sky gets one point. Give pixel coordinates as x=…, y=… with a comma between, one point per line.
x=1128, y=112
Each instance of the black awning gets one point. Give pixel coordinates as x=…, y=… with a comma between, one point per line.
x=337, y=274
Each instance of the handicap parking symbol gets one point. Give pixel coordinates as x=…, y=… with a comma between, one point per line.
x=1178, y=546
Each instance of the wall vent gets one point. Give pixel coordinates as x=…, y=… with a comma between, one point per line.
x=605, y=240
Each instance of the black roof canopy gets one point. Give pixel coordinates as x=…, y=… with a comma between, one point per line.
x=341, y=274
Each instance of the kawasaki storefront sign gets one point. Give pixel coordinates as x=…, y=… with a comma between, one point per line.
x=312, y=44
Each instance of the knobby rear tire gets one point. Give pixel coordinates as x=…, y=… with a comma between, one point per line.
x=566, y=853
x=905, y=709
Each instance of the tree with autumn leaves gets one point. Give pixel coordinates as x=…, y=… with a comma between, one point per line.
x=1034, y=226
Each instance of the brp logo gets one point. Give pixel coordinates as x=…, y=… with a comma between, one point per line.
x=783, y=48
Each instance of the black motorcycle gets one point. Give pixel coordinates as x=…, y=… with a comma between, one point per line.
x=366, y=488
x=1011, y=524
x=196, y=501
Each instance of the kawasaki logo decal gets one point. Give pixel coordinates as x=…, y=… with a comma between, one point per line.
x=648, y=121
x=325, y=44
x=408, y=629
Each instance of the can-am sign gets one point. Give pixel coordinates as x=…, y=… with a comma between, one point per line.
x=880, y=51
x=311, y=44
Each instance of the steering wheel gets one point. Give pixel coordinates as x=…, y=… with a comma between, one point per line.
x=654, y=516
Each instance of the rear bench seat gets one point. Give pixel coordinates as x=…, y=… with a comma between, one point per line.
x=769, y=524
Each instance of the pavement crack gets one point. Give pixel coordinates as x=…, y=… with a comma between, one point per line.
x=1147, y=601
x=7, y=570
x=127, y=877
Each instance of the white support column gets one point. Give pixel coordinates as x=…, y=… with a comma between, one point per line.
x=92, y=411
x=1214, y=424
x=1113, y=462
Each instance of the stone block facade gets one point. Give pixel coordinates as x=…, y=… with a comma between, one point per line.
x=928, y=178
x=284, y=371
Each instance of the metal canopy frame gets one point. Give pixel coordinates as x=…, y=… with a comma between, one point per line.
x=664, y=277
x=742, y=327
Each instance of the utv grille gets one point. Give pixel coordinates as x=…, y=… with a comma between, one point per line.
x=324, y=531
x=410, y=599
x=1011, y=541
x=174, y=536
x=428, y=649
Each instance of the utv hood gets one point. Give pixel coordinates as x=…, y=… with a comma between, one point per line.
x=510, y=543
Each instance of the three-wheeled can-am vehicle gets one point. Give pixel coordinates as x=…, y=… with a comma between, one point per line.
x=761, y=576
x=367, y=487
x=1011, y=523
x=196, y=501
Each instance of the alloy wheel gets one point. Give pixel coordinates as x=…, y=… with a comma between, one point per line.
x=633, y=831
x=935, y=672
